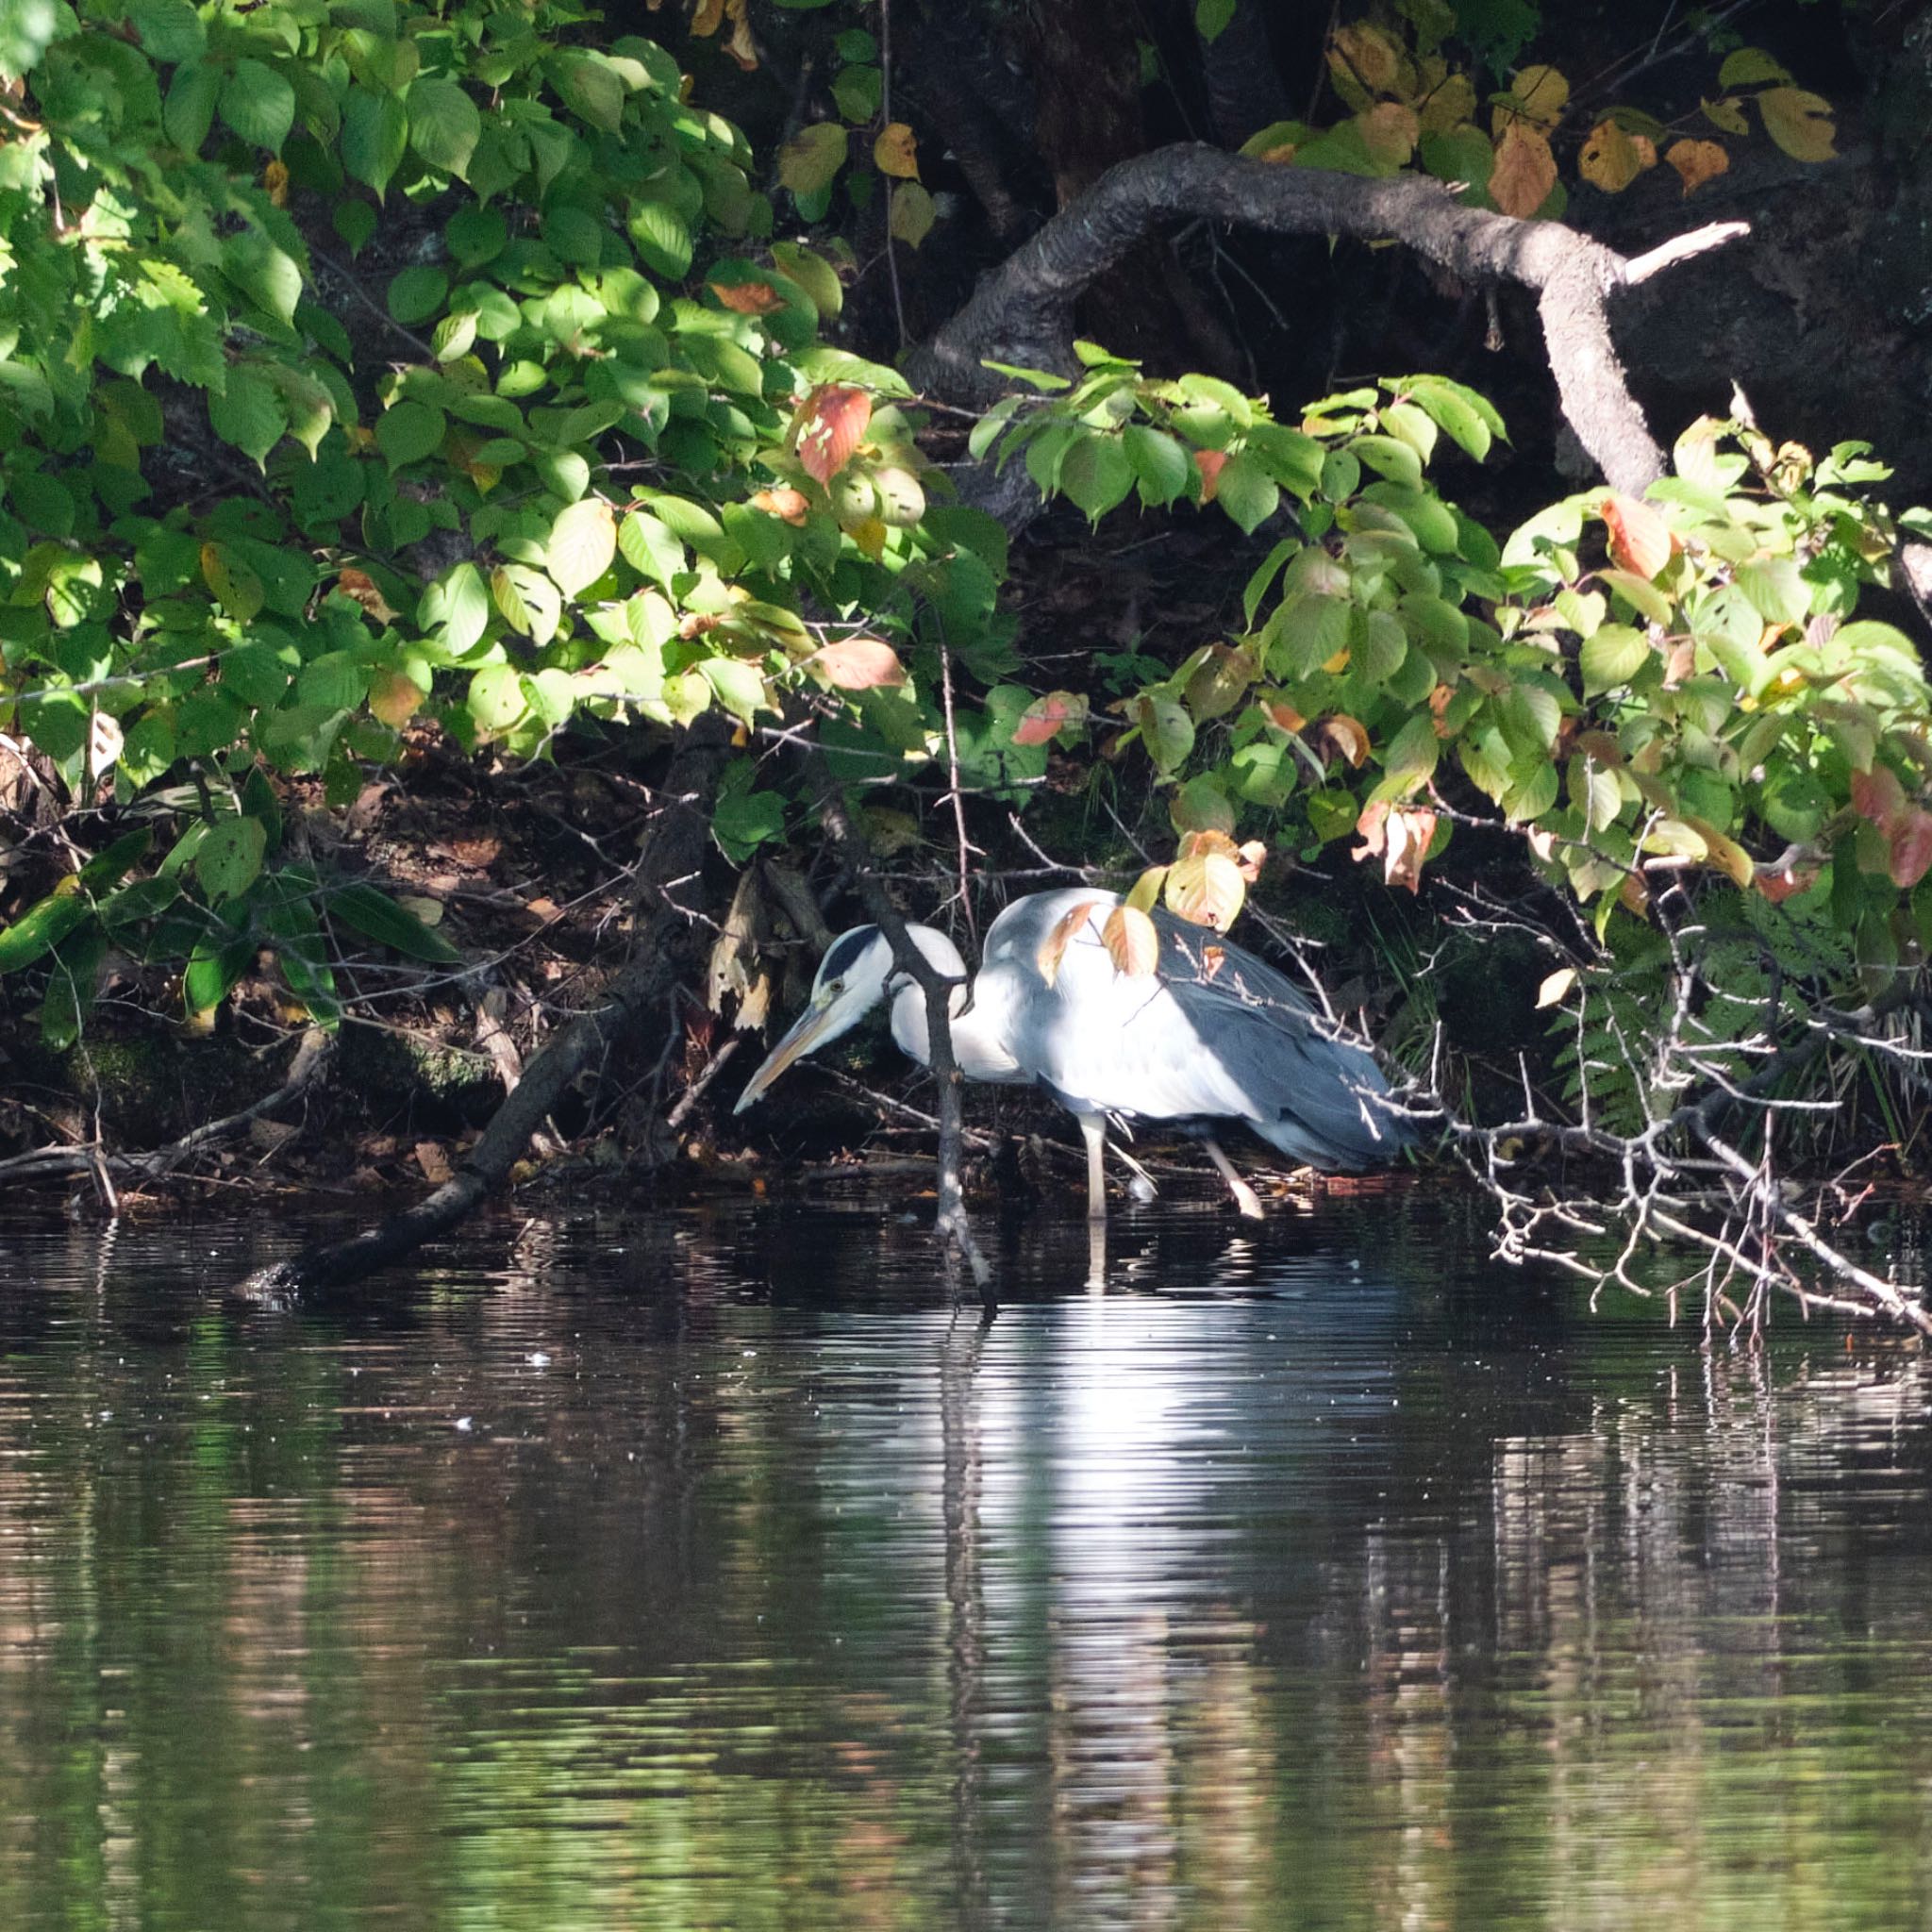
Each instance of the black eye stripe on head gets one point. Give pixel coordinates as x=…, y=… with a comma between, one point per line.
x=845, y=952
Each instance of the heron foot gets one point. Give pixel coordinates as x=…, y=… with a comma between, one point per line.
x=1245, y=1198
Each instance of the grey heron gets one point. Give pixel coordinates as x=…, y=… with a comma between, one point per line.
x=1212, y=1034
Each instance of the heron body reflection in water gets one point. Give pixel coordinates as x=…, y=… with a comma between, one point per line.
x=1213, y=1034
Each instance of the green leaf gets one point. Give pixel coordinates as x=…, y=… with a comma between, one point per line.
x=249, y=412
x=375, y=136
x=740, y=686
x=1392, y=458
x=1095, y=472
x=662, y=240
x=1305, y=633
x=214, y=969
x=266, y=273
x=528, y=600
x=228, y=859
x=496, y=698
x=1211, y=17
x=170, y=31
x=376, y=916
x=408, y=431
x=259, y=104
x=1247, y=493
x=1159, y=463
x=417, y=293
x=189, y=111
x=1728, y=626
x=650, y=548
x=41, y=928
x=582, y=542
x=460, y=604
x=1612, y=656
x=444, y=125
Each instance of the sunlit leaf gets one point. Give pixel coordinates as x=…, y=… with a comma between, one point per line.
x=831, y=425
x=1132, y=942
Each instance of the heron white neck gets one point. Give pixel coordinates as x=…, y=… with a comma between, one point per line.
x=975, y=1031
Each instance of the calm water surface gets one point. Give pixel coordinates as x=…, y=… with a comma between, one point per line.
x=708, y=1570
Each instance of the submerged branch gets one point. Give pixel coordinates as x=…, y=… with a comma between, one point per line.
x=663, y=956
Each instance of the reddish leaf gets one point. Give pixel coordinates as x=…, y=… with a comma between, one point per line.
x=1641, y=541
x=1211, y=462
x=748, y=298
x=1043, y=720
x=1780, y=885
x=858, y=664
x=1877, y=795
x=1910, y=839
x=830, y=426
x=785, y=503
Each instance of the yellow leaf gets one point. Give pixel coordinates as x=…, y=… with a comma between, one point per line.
x=1147, y=889
x=1728, y=113
x=1696, y=161
x=708, y=17
x=1552, y=991
x=1390, y=131
x=892, y=152
x=275, y=178
x=1609, y=160
x=1368, y=56
x=1205, y=888
x=1537, y=94
x=1449, y=105
x=1800, y=122
x=870, y=534
x=913, y=215
x=1525, y=173
x=1132, y=942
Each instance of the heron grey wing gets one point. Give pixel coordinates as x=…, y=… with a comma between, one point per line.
x=1313, y=1088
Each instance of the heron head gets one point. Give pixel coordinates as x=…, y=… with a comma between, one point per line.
x=853, y=979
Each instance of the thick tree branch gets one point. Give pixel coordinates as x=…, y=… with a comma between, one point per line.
x=1023, y=311
x=665, y=952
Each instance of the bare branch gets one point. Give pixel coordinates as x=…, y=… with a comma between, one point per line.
x=1023, y=311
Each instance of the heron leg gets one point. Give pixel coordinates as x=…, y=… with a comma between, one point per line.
x=1094, y=1131
x=1244, y=1196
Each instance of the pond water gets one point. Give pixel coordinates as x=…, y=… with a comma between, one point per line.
x=708, y=1568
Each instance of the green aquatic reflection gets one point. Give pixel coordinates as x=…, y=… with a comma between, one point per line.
x=709, y=1572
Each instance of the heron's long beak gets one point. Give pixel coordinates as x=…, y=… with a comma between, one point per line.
x=808, y=1030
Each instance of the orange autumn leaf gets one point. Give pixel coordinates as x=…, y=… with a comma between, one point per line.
x=1211, y=462
x=831, y=425
x=893, y=152
x=359, y=585
x=1044, y=718
x=1053, y=948
x=789, y=505
x=1525, y=169
x=1697, y=161
x=1344, y=737
x=1877, y=795
x=393, y=698
x=1132, y=942
x=1641, y=541
x=1399, y=836
x=1283, y=715
x=748, y=298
